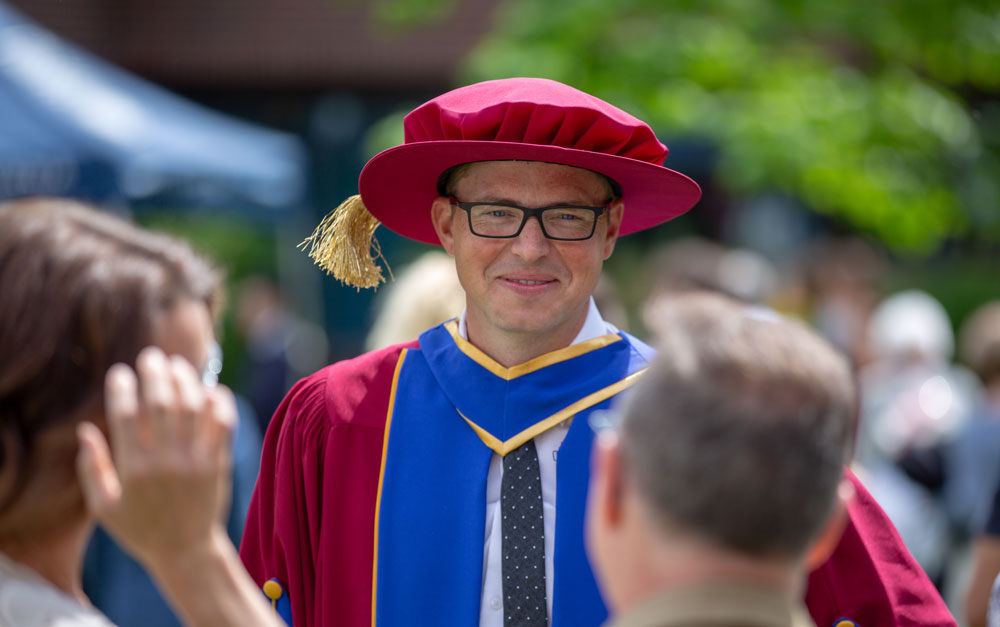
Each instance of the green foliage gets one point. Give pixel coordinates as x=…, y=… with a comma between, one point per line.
x=409, y=13
x=237, y=246
x=385, y=133
x=406, y=14
x=882, y=113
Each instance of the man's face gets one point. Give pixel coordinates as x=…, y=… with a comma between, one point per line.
x=527, y=285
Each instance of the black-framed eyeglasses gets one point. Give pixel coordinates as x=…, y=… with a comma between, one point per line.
x=503, y=220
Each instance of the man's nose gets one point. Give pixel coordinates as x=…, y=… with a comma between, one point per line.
x=531, y=243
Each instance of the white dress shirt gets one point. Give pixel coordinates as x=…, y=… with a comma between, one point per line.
x=547, y=445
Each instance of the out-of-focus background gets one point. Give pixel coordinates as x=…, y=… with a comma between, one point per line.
x=849, y=155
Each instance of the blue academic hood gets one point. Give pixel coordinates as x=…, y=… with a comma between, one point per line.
x=74, y=125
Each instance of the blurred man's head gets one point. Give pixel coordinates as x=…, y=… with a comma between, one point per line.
x=979, y=343
x=729, y=454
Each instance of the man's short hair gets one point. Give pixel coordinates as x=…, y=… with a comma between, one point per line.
x=739, y=431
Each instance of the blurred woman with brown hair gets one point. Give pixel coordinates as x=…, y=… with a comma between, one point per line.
x=82, y=292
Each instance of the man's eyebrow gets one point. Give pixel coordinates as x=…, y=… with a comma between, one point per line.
x=489, y=198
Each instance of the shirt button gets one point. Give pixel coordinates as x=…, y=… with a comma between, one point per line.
x=495, y=603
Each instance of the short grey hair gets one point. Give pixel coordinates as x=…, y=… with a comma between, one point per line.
x=739, y=431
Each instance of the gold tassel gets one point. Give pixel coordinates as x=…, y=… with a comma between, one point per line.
x=343, y=245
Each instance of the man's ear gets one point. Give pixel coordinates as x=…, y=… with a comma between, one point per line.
x=822, y=548
x=615, y=213
x=442, y=215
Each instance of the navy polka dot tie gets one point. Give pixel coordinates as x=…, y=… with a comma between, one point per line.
x=523, y=539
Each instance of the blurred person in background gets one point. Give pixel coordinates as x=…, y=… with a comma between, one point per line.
x=971, y=462
x=608, y=299
x=993, y=612
x=686, y=527
x=844, y=284
x=981, y=605
x=82, y=290
x=912, y=398
x=281, y=347
x=963, y=470
x=966, y=469
x=693, y=264
x=425, y=293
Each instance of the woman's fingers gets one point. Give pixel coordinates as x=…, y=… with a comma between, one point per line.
x=163, y=411
x=98, y=478
x=190, y=402
x=173, y=401
x=121, y=407
x=157, y=396
x=171, y=436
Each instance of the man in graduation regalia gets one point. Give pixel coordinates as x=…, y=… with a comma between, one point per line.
x=443, y=481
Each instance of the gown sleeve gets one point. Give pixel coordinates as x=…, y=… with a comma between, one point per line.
x=871, y=578
x=311, y=522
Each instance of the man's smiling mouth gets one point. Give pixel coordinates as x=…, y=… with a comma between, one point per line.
x=527, y=282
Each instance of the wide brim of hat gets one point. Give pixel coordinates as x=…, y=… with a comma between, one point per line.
x=399, y=185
